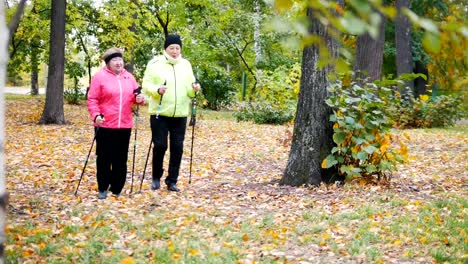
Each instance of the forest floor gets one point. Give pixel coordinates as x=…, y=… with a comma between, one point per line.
x=234, y=210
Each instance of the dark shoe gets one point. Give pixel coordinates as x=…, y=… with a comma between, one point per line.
x=155, y=185
x=173, y=188
x=102, y=195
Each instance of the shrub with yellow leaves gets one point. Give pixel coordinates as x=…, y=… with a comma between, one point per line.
x=425, y=111
x=365, y=144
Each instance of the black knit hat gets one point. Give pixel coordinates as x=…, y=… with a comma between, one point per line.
x=172, y=39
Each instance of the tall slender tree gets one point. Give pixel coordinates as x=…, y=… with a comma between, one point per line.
x=404, y=58
x=257, y=45
x=3, y=65
x=369, y=53
x=14, y=22
x=27, y=45
x=312, y=137
x=36, y=44
x=53, y=109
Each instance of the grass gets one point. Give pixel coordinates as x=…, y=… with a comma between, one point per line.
x=216, y=115
x=14, y=97
x=438, y=228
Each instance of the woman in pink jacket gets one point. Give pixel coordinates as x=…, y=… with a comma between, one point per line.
x=111, y=95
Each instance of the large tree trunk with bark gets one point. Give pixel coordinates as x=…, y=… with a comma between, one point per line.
x=53, y=109
x=369, y=54
x=313, y=133
x=3, y=65
x=404, y=57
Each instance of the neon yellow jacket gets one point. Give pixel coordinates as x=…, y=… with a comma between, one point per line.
x=178, y=77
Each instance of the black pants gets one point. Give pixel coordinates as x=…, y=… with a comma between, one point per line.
x=161, y=127
x=112, y=156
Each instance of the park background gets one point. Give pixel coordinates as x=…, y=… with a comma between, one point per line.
x=395, y=144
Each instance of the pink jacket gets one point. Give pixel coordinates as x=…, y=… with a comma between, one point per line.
x=112, y=95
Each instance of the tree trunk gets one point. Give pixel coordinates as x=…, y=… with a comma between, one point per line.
x=369, y=54
x=404, y=58
x=257, y=47
x=256, y=18
x=34, y=72
x=3, y=65
x=14, y=22
x=420, y=85
x=313, y=133
x=53, y=109
x=88, y=63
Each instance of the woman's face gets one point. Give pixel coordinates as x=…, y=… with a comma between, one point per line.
x=173, y=50
x=116, y=65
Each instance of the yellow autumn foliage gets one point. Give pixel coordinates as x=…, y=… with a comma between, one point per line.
x=448, y=67
x=424, y=97
x=324, y=163
x=128, y=260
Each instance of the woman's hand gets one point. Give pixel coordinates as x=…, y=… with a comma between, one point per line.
x=196, y=86
x=162, y=89
x=140, y=98
x=99, y=120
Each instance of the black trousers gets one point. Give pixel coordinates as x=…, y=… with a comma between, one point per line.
x=161, y=127
x=112, y=155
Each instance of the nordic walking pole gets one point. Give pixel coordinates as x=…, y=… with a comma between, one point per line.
x=146, y=163
x=87, y=158
x=158, y=110
x=135, y=92
x=193, y=120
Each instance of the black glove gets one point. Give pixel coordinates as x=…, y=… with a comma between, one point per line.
x=137, y=91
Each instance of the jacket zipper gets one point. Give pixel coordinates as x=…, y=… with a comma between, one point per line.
x=175, y=91
x=120, y=103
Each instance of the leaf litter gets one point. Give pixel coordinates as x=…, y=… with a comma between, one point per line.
x=234, y=203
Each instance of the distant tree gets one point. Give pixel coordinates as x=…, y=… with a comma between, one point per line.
x=436, y=10
x=15, y=20
x=53, y=109
x=312, y=137
x=28, y=41
x=35, y=49
x=404, y=58
x=82, y=25
x=369, y=53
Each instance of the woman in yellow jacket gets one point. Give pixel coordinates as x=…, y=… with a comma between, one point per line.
x=169, y=84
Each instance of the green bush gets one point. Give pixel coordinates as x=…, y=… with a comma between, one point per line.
x=263, y=113
x=217, y=88
x=281, y=86
x=441, y=111
x=75, y=71
x=365, y=145
x=73, y=96
x=425, y=112
x=276, y=97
